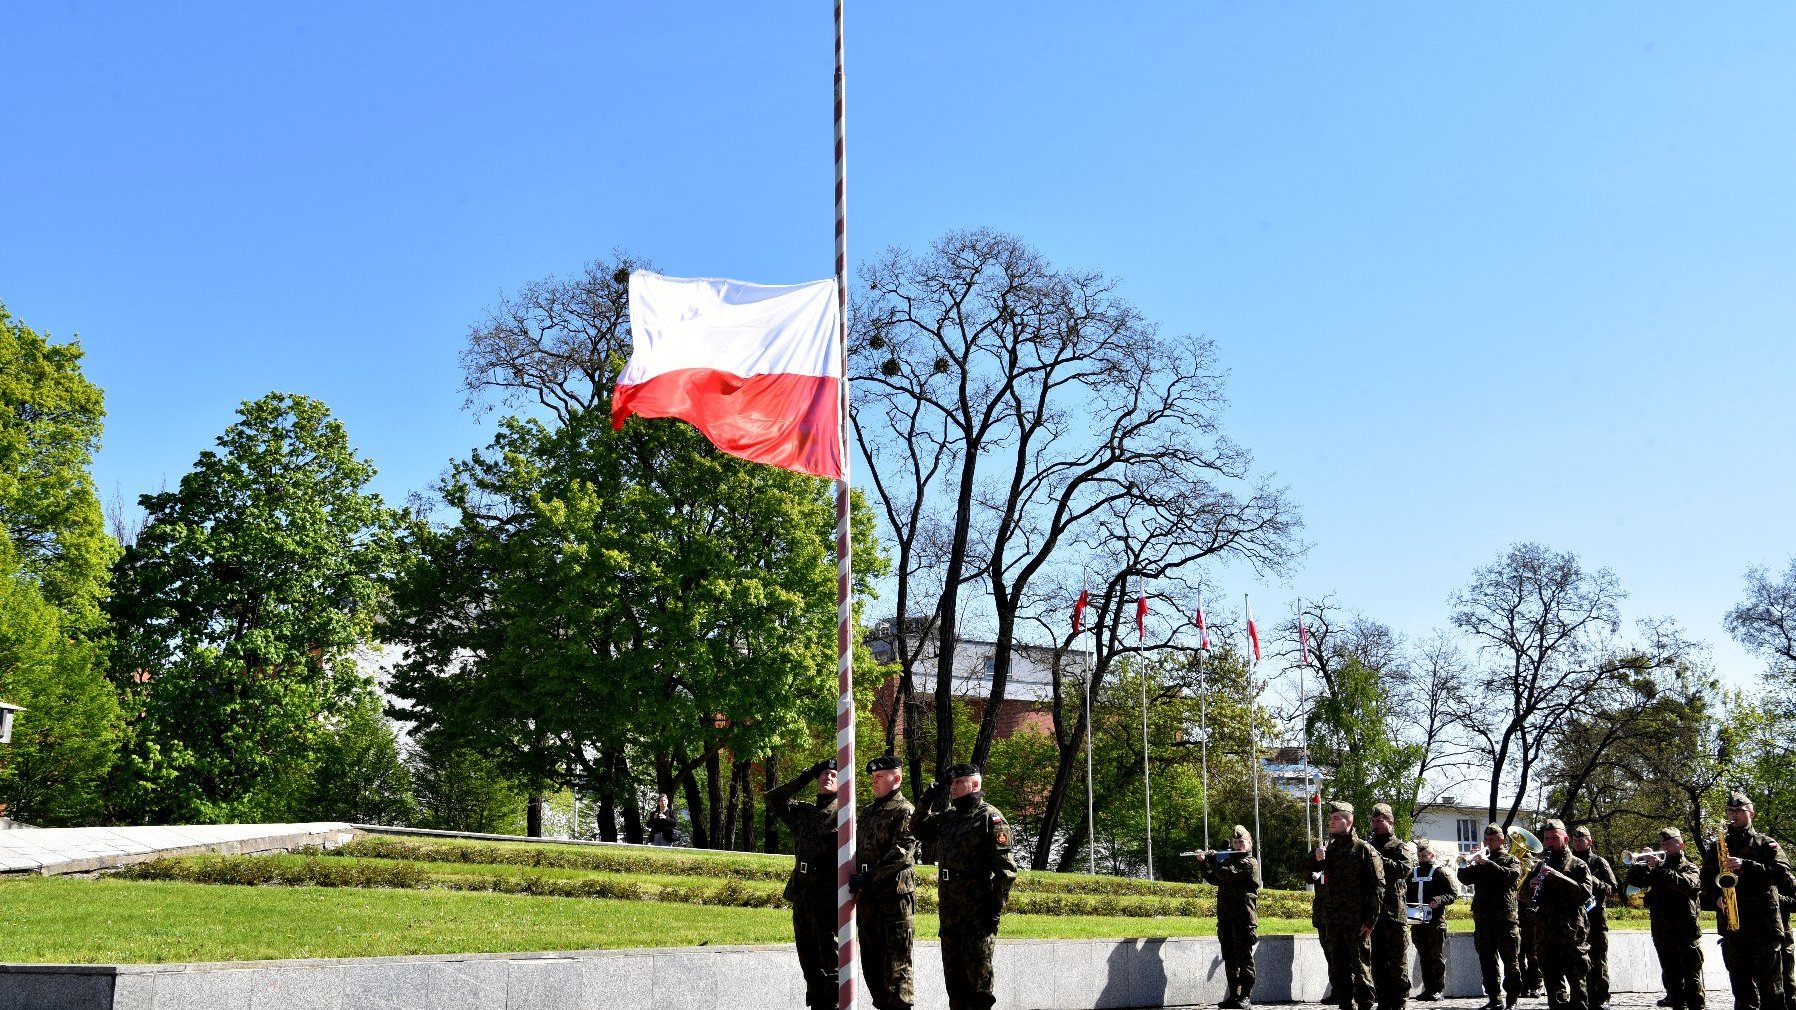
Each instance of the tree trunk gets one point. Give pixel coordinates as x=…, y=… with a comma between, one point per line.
x=746, y=837
x=733, y=807
x=948, y=612
x=1001, y=649
x=695, y=809
x=714, y=796
x=625, y=785
x=533, y=816
x=1075, y=840
x=1055, y=807
x=769, y=823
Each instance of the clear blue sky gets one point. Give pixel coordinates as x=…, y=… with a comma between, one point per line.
x=1480, y=273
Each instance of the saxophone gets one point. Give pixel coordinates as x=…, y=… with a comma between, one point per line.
x=1727, y=905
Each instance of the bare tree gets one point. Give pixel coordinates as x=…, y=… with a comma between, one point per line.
x=1545, y=623
x=1765, y=623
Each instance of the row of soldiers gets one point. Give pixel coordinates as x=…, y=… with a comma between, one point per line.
x=1546, y=924
x=975, y=871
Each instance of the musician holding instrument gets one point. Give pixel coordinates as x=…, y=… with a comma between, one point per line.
x=1673, y=889
x=1603, y=884
x=1432, y=887
x=1559, y=889
x=1492, y=872
x=1349, y=898
x=1236, y=874
x=1746, y=871
x=1390, y=937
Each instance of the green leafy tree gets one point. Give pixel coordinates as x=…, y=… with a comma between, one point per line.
x=237, y=611
x=461, y=789
x=359, y=776
x=1351, y=733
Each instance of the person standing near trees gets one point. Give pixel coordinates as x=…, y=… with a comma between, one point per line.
x=971, y=841
x=885, y=885
x=1349, y=898
x=1492, y=872
x=1432, y=887
x=663, y=828
x=1673, y=890
x=1237, y=881
x=1603, y=884
x=812, y=886
x=1390, y=937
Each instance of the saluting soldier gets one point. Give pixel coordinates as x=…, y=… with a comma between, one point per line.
x=811, y=888
x=1603, y=885
x=1237, y=880
x=1558, y=889
x=972, y=845
x=1390, y=937
x=1673, y=892
x=885, y=883
x=1431, y=887
x=1752, y=946
x=1492, y=875
x=1349, y=899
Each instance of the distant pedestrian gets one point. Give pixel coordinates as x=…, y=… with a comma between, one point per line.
x=971, y=841
x=664, y=829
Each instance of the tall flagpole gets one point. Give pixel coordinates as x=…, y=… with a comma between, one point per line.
x=845, y=989
x=1146, y=782
x=1204, y=740
x=1303, y=681
x=1253, y=744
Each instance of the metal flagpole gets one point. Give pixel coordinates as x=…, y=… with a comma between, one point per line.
x=1253, y=756
x=1203, y=740
x=1146, y=782
x=1303, y=682
x=845, y=988
x=1091, y=824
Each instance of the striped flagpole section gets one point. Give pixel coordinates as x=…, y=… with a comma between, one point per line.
x=845, y=993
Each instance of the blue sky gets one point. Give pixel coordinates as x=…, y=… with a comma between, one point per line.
x=1481, y=273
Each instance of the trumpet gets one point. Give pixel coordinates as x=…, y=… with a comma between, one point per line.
x=1464, y=859
x=1218, y=856
x=1645, y=857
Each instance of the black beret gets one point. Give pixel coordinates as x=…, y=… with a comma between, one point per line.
x=961, y=771
x=829, y=764
x=884, y=763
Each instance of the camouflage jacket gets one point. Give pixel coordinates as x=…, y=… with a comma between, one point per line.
x=1351, y=889
x=1603, y=886
x=884, y=847
x=1398, y=865
x=1432, y=884
x=972, y=847
x=1673, y=892
x=813, y=827
x=1764, y=873
x=1492, y=880
x=1237, y=883
x=1557, y=889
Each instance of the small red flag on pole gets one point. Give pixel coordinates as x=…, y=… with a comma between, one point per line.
x=1253, y=633
x=1141, y=616
x=1079, y=609
x=1203, y=632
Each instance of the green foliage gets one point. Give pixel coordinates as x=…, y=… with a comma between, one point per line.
x=50, y=420
x=1350, y=732
x=461, y=789
x=1021, y=771
x=358, y=776
x=237, y=610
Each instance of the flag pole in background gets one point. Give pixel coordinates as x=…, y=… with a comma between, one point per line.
x=1091, y=849
x=1147, y=785
x=845, y=988
x=1203, y=646
x=1253, y=744
x=1303, y=680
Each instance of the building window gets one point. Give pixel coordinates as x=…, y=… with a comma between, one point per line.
x=991, y=665
x=1468, y=834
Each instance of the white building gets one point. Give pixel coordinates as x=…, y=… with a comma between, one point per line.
x=1459, y=827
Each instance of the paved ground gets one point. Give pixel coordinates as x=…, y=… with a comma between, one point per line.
x=84, y=850
x=1718, y=999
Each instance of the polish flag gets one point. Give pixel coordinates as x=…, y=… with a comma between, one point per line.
x=1203, y=633
x=755, y=367
x=1253, y=633
x=1303, y=636
x=1079, y=609
x=1141, y=617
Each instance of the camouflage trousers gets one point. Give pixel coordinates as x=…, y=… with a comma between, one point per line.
x=1238, y=940
x=1755, y=968
x=1680, y=966
x=887, y=925
x=1499, y=942
x=1431, y=950
x=1528, y=959
x=1564, y=959
x=1390, y=964
x=814, y=930
x=1599, y=965
x=1349, y=966
x=967, y=965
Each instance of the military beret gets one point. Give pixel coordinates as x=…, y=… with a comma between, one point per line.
x=1340, y=807
x=1241, y=832
x=1493, y=828
x=1551, y=824
x=884, y=763
x=829, y=764
x=1382, y=810
x=1737, y=799
x=1667, y=834
x=1581, y=831
x=961, y=771
x=1425, y=845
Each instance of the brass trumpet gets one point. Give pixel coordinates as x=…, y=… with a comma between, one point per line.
x=1464, y=859
x=1645, y=857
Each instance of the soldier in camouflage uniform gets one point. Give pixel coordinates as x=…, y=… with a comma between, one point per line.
x=1492, y=874
x=971, y=842
x=1603, y=885
x=1753, y=949
x=1237, y=880
x=811, y=888
x=885, y=884
x=1557, y=889
x=1434, y=887
x=1349, y=898
x=1673, y=889
x=1390, y=937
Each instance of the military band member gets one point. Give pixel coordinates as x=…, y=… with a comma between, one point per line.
x=1492, y=874
x=885, y=885
x=1349, y=898
x=1673, y=891
x=1752, y=945
x=972, y=844
x=1603, y=885
x=1390, y=937
x=811, y=888
x=1432, y=887
x=1237, y=880
x=1558, y=889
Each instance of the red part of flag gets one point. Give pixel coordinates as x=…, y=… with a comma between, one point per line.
x=1141, y=617
x=1079, y=610
x=1203, y=633
x=1253, y=635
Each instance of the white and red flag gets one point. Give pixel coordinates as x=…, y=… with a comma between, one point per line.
x=1141, y=617
x=1203, y=632
x=1079, y=609
x=1303, y=636
x=755, y=367
x=1253, y=633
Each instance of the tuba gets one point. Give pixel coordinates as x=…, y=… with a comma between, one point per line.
x=1727, y=903
x=1525, y=848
